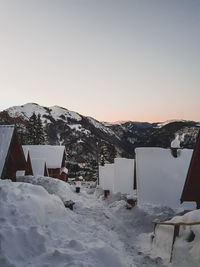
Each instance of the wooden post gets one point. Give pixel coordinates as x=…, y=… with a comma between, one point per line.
x=176, y=233
x=106, y=193
x=176, y=230
x=135, y=178
x=198, y=204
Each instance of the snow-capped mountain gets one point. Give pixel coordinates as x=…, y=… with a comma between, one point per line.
x=86, y=139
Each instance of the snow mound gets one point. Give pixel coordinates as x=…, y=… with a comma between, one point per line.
x=186, y=250
x=36, y=230
x=53, y=186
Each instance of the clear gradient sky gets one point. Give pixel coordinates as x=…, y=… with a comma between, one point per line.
x=110, y=59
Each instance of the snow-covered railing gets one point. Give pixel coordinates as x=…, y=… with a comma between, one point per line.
x=176, y=230
x=179, y=223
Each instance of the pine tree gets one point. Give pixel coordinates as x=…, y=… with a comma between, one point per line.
x=40, y=136
x=35, y=130
x=102, y=160
x=31, y=129
x=113, y=153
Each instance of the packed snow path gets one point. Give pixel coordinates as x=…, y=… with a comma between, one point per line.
x=118, y=227
x=38, y=231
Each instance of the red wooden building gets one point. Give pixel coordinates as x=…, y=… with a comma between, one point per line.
x=11, y=154
x=29, y=169
x=191, y=190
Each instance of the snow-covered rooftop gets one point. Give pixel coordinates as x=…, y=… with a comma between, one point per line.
x=117, y=177
x=6, y=133
x=160, y=176
x=53, y=155
x=26, y=151
x=38, y=166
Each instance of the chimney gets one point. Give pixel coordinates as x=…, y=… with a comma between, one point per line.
x=174, y=152
x=175, y=145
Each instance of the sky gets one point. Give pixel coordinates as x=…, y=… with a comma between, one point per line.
x=113, y=60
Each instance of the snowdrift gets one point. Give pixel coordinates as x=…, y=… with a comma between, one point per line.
x=37, y=230
x=53, y=186
x=185, y=251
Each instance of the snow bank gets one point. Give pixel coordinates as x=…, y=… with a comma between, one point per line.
x=186, y=250
x=162, y=243
x=53, y=186
x=161, y=177
x=36, y=230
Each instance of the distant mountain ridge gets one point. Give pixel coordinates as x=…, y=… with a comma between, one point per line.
x=86, y=139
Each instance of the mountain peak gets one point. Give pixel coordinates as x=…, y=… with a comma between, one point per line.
x=54, y=112
x=59, y=107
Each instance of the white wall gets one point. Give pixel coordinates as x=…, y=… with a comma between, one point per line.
x=161, y=177
x=106, y=177
x=101, y=176
x=124, y=176
x=117, y=177
x=109, y=177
